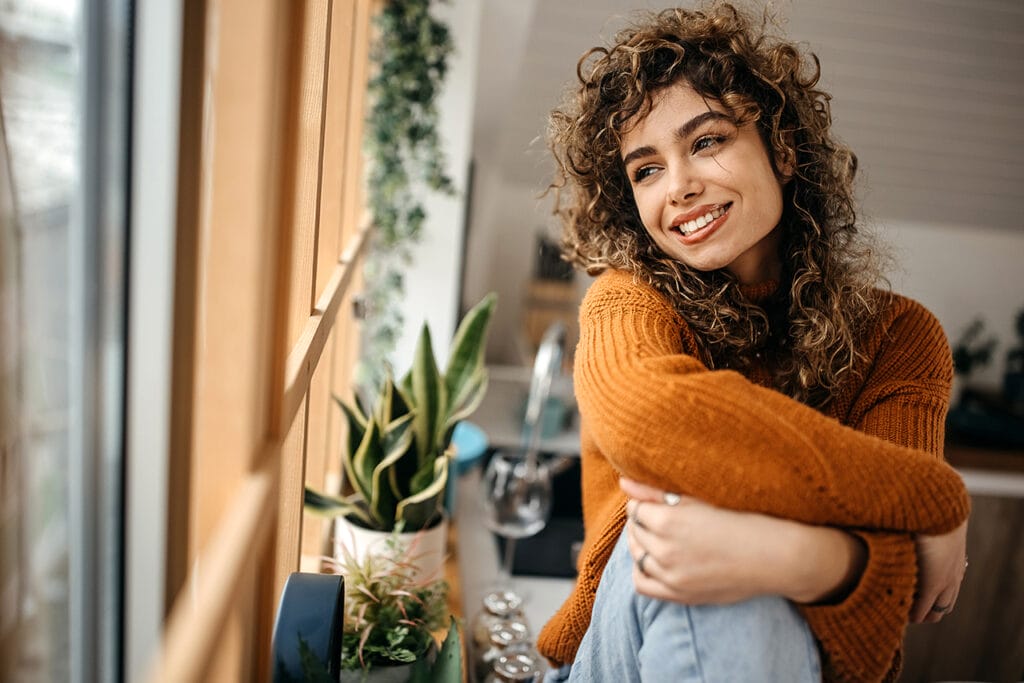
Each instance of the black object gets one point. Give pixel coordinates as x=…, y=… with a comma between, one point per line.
x=306, y=643
x=550, y=552
x=985, y=419
x=550, y=265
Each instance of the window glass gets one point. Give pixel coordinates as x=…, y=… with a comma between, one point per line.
x=60, y=358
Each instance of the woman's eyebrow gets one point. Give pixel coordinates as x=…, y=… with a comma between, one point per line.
x=684, y=131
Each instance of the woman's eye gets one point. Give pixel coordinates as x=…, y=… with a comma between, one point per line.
x=643, y=172
x=707, y=142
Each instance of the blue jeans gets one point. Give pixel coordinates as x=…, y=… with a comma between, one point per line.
x=636, y=638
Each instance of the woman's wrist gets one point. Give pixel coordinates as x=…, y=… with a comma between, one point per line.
x=825, y=564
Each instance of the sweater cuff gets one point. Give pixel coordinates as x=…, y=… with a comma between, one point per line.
x=861, y=636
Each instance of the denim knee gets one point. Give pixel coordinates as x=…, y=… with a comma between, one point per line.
x=636, y=638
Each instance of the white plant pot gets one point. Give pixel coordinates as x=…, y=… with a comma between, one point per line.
x=427, y=548
x=399, y=673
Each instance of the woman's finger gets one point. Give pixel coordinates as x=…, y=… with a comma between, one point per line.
x=643, y=536
x=931, y=608
x=942, y=606
x=648, y=584
x=641, y=554
x=650, y=494
x=638, y=491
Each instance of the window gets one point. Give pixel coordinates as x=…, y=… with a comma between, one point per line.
x=63, y=195
x=269, y=236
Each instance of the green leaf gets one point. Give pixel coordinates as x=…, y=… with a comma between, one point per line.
x=467, y=351
x=429, y=396
x=448, y=665
x=405, y=468
x=468, y=401
x=361, y=467
x=326, y=505
x=420, y=509
x=356, y=422
x=397, y=443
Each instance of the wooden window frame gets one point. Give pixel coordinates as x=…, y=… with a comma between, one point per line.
x=270, y=235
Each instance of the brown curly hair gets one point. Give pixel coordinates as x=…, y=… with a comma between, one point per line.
x=809, y=329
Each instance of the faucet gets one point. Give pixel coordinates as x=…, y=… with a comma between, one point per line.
x=546, y=366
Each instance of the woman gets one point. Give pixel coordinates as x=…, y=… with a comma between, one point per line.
x=768, y=420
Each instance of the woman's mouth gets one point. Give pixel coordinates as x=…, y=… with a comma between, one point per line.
x=700, y=222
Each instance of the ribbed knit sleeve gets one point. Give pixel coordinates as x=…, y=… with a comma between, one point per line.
x=661, y=417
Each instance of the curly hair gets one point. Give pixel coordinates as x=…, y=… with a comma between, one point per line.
x=809, y=329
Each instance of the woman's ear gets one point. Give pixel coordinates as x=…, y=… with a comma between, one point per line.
x=785, y=160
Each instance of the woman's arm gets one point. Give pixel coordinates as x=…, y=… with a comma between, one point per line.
x=698, y=553
x=857, y=586
x=661, y=417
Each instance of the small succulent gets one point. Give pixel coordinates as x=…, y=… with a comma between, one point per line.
x=390, y=617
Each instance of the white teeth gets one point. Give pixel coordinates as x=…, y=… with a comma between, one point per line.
x=690, y=227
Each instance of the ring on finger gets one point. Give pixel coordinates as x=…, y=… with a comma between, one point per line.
x=941, y=609
x=640, y=563
x=636, y=515
x=671, y=499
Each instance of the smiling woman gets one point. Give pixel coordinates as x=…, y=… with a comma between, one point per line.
x=768, y=420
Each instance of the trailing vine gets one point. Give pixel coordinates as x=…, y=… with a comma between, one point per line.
x=405, y=160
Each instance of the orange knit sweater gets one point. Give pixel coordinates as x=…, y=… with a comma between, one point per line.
x=871, y=462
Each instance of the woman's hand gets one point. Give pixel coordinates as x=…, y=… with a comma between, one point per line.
x=941, y=564
x=696, y=553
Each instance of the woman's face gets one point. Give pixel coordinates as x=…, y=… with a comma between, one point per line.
x=705, y=187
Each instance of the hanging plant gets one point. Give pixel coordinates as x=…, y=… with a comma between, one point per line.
x=405, y=161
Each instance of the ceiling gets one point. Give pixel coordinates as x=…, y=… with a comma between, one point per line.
x=929, y=93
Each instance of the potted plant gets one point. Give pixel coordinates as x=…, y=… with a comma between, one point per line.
x=389, y=629
x=970, y=352
x=1013, y=379
x=390, y=616
x=396, y=453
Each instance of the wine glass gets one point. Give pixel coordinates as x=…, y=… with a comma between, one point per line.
x=516, y=494
x=516, y=487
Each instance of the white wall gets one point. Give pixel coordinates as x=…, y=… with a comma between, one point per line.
x=432, y=281
x=960, y=273
x=501, y=258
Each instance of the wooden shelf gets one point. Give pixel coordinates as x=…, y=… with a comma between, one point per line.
x=963, y=456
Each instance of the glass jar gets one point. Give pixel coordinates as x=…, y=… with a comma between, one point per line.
x=497, y=606
x=504, y=637
x=520, y=666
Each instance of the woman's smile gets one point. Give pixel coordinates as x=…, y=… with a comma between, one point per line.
x=687, y=225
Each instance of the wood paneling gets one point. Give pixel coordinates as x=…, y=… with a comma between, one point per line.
x=983, y=638
x=270, y=246
x=237, y=272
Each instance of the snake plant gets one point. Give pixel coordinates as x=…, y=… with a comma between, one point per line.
x=397, y=451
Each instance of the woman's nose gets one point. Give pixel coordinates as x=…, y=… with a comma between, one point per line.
x=685, y=185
